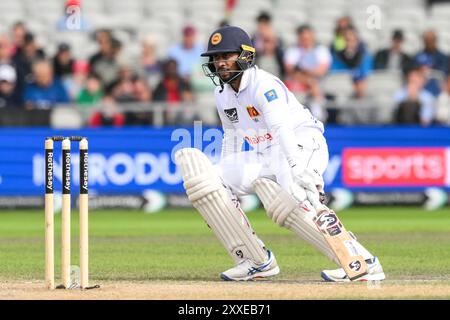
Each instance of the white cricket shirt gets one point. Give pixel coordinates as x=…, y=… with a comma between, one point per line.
x=263, y=113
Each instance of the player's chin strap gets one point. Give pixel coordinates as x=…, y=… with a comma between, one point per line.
x=229, y=81
x=215, y=74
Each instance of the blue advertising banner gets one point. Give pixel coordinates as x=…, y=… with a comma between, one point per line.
x=132, y=160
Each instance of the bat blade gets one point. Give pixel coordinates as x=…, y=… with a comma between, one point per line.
x=342, y=244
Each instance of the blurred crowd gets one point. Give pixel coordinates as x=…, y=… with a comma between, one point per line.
x=31, y=79
x=423, y=99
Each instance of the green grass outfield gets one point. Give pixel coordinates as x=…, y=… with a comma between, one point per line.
x=177, y=245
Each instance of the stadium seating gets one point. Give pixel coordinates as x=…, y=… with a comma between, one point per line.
x=339, y=85
x=169, y=16
x=134, y=20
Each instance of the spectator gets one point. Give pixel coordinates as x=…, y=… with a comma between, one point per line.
x=92, y=93
x=342, y=24
x=129, y=87
x=296, y=84
x=264, y=28
x=101, y=36
x=72, y=19
x=5, y=50
x=25, y=57
x=361, y=108
x=108, y=115
x=63, y=61
x=268, y=45
x=173, y=89
x=354, y=57
x=5, y=59
x=7, y=85
x=393, y=58
x=150, y=65
x=45, y=91
x=415, y=105
x=424, y=65
x=438, y=58
x=75, y=81
x=306, y=64
x=270, y=58
x=443, y=104
x=23, y=60
x=312, y=59
x=18, y=37
x=105, y=62
x=187, y=53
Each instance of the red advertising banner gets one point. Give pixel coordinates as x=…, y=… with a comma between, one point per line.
x=384, y=167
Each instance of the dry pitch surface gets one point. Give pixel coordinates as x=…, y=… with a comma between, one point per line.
x=212, y=290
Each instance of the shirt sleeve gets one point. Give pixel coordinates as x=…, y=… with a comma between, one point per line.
x=272, y=97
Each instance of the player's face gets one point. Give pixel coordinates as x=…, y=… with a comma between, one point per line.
x=225, y=64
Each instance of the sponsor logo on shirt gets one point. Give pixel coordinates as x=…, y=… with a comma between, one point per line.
x=271, y=95
x=258, y=138
x=253, y=113
x=232, y=115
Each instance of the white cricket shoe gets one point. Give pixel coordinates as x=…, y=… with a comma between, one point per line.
x=338, y=275
x=248, y=270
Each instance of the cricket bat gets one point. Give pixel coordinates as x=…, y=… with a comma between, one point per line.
x=341, y=242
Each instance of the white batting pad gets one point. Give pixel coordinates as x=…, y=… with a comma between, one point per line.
x=208, y=195
x=282, y=208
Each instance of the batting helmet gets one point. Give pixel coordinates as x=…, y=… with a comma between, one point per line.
x=229, y=39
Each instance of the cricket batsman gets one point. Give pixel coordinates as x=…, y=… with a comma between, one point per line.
x=284, y=168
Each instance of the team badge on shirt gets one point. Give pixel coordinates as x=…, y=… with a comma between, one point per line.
x=253, y=113
x=232, y=115
x=271, y=95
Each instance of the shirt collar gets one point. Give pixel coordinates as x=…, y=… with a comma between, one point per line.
x=244, y=81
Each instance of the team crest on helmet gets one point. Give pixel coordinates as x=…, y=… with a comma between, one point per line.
x=216, y=38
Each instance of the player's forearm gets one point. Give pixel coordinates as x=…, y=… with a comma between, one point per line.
x=279, y=122
x=289, y=146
